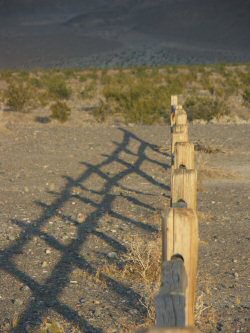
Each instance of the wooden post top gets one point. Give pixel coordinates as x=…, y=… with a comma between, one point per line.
x=174, y=100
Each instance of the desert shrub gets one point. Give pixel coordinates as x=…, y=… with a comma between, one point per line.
x=6, y=75
x=88, y=91
x=101, y=112
x=140, y=100
x=57, y=86
x=24, y=75
x=36, y=82
x=60, y=111
x=18, y=96
x=246, y=96
x=205, y=108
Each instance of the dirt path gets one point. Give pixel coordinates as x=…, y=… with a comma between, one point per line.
x=74, y=199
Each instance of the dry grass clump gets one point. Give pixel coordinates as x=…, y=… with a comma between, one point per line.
x=206, y=317
x=140, y=268
x=52, y=327
x=143, y=264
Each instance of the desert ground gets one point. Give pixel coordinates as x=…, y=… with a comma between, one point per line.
x=78, y=206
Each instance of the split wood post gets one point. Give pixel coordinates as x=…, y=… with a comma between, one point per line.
x=174, y=103
x=184, y=156
x=180, y=231
x=170, y=302
x=184, y=188
x=170, y=330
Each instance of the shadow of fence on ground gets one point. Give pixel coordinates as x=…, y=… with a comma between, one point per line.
x=45, y=295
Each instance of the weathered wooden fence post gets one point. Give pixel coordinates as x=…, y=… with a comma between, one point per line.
x=181, y=233
x=175, y=303
x=170, y=302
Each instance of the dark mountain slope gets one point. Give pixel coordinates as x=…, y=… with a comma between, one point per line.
x=141, y=31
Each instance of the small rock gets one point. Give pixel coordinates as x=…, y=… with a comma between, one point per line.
x=11, y=237
x=133, y=312
x=73, y=282
x=26, y=189
x=81, y=300
x=98, y=312
x=213, y=202
x=113, y=230
x=48, y=251
x=44, y=264
x=80, y=218
x=25, y=288
x=112, y=255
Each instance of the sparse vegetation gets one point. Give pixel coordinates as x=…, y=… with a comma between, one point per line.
x=57, y=86
x=205, y=108
x=138, y=95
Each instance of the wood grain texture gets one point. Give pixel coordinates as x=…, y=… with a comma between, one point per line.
x=184, y=187
x=179, y=134
x=170, y=302
x=181, y=234
x=184, y=155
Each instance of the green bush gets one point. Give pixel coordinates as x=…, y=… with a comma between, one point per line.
x=57, y=87
x=60, y=111
x=140, y=100
x=18, y=96
x=205, y=108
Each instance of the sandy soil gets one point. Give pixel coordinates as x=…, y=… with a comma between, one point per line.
x=69, y=197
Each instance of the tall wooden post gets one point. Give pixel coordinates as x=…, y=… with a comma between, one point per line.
x=170, y=302
x=181, y=233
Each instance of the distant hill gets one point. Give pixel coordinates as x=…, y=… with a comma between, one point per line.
x=123, y=32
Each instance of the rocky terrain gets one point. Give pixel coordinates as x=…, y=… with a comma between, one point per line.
x=79, y=203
